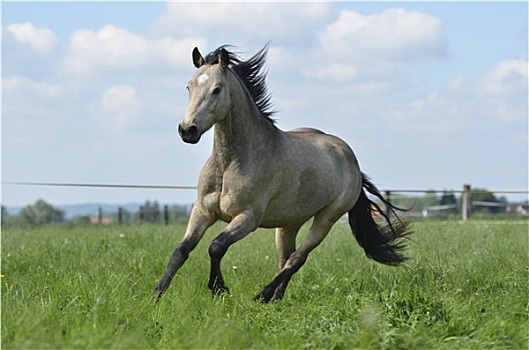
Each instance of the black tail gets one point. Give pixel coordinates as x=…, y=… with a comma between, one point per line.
x=382, y=244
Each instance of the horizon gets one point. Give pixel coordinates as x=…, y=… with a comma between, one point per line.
x=411, y=194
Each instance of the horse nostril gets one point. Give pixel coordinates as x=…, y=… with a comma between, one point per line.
x=190, y=134
x=192, y=131
x=180, y=130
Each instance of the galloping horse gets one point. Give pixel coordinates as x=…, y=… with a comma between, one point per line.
x=260, y=176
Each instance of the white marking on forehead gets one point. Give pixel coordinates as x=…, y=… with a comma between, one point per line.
x=202, y=78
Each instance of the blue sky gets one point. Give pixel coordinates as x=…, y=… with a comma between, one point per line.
x=429, y=95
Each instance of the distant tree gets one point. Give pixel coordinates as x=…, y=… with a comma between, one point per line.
x=429, y=199
x=28, y=215
x=150, y=211
x=81, y=220
x=486, y=196
x=41, y=213
x=126, y=216
x=5, y=219
x=448, y=198
x=178, y=213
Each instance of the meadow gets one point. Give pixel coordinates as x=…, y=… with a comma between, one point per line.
x=466, y=286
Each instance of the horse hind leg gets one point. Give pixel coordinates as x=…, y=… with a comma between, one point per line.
x=318, y=231
x=285, y=239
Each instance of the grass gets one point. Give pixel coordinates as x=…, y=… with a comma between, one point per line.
x=89, y=287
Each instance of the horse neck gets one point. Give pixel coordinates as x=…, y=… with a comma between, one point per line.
x=243, y=133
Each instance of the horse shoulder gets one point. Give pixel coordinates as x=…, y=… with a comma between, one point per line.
x=210, y=185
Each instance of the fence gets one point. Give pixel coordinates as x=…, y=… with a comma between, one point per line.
x=141, y=215
x=467, y=204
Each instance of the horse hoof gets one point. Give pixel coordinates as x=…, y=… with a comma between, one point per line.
x=157, y=294
x=260, y=297
x=219, y=290
x=264, y=296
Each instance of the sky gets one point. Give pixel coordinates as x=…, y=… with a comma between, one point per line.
x=429, y=95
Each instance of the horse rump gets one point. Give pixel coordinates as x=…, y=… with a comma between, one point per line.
x=383, y=244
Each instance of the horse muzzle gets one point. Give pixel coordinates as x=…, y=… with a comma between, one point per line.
x=189, y=134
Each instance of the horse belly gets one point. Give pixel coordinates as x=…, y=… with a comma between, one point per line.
x=301, y=198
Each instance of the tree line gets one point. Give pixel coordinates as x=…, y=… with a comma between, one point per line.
x=43, y=213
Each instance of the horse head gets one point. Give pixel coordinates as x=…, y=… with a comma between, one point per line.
x=209, y=97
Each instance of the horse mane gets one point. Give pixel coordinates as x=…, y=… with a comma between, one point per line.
x=251, y=74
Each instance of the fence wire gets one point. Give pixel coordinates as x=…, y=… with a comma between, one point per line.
x=175, y=187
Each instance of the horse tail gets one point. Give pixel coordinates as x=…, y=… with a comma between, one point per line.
x=381, y=243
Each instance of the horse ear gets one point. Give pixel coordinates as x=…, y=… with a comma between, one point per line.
x=198, y=60
x=224, y=58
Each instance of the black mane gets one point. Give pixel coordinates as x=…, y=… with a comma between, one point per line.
x=250, y=73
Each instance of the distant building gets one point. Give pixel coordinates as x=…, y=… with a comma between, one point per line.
x=518, y=208
x=104, y=220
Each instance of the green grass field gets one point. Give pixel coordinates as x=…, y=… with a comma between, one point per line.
x=90, y=287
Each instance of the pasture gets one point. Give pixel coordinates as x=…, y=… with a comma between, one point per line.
x=90, y=287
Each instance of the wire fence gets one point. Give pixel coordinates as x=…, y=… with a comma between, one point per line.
x=174, y=187
x=464, y=208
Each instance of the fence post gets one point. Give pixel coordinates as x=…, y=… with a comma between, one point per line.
x=388, y=208
x=141, y=214
x=166, y=214
x=120, y=215
x=100, y=215
x=466, y=202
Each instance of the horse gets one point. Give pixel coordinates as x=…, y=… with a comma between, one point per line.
x=261, y=176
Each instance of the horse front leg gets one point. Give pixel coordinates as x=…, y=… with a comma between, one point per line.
x=238, y=228
x=199, y=222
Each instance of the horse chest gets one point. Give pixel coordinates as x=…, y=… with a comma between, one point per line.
x=234, y=197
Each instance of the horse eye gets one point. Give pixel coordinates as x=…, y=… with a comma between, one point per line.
x=217, y=90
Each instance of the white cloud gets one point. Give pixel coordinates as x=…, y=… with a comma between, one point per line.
x=26, y=100
x=247, y=22
x=334, y=71
x=117, y=50
x=41, y=40
x=362, y=49
x=44, y=90
x=504, y=91
x=506, y=78
x=391, y=35
x=34, y=111
x=121, y=107
x=492, y=102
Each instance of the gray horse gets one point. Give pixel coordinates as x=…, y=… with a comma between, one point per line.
x=260, y=176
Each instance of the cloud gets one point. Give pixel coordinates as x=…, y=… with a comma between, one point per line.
x=34, y=111
x=121, y=107
x=245, y=22
x=504, y=91
x=508, y=77
x=334, y=71
x=113, y=49
x=26, y=101
x=391, y=36
x=495, y=101
x=45, y=90
x=41, y=40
